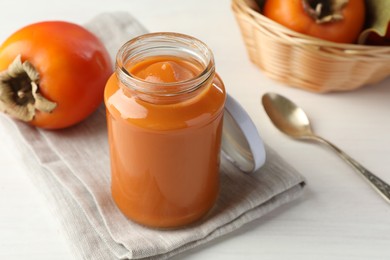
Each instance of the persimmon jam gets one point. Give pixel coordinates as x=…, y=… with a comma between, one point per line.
x=164, y=70
x=165, y=156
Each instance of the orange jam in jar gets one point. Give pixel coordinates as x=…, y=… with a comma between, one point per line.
x=164, y=115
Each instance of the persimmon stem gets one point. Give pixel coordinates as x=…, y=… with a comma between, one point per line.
x=19, y=91
x=325, y=11
x=21, y=94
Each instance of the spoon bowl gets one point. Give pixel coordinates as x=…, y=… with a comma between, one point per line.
x=293, y=121
x=286, y=116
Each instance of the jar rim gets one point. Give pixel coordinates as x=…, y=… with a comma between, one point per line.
x=152, y=42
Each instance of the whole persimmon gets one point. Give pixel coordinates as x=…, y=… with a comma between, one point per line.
x=333, y=20
x=52, y=74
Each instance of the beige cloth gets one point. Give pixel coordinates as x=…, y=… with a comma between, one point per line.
x=71, y=168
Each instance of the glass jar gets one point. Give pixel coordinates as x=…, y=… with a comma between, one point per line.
x=164, y=115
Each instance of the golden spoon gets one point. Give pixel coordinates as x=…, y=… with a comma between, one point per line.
x=292, y=120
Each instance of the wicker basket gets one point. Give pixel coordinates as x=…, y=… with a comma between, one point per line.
x=306, y=62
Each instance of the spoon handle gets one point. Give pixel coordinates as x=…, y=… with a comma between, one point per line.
x=378, y=184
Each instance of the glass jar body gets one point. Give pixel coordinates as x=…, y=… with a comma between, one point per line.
x=165, y=150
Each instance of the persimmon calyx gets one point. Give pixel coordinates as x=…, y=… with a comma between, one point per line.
x=325, y=11
x=19, y=91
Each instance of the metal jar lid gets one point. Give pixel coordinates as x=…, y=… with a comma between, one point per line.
x=241, y=142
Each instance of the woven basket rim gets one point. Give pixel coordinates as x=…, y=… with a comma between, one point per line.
x=297, y=38
x=306, y=62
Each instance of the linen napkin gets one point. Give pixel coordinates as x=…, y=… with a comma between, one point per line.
x=71, y=168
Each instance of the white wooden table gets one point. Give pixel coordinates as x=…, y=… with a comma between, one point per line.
x=339, y=216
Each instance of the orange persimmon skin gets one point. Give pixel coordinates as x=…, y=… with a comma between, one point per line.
x=291, y=14
x=73, y=66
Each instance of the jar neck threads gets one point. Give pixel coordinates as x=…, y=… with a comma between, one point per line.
x=179, y=46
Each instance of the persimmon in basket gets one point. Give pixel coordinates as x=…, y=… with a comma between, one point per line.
x=374, y=38
x=333, y=20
